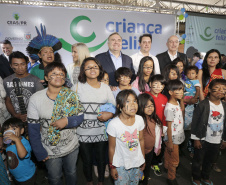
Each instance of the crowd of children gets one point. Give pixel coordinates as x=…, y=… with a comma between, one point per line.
x=129, y=128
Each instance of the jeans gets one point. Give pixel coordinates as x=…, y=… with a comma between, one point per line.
x=127, y=177
x=68, y=162
x=86, y=151
x=204, y=157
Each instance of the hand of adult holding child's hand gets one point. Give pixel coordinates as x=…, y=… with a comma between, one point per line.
x=60, y=124
x=114, y=173
x=197, y=144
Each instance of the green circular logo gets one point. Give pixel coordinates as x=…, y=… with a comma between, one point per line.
x=80, y=38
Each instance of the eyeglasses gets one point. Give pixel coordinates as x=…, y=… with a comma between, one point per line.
x=148, y=67
x=55, y=75
x=95, y=68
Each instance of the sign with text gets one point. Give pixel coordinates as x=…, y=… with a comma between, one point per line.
x=89, y=26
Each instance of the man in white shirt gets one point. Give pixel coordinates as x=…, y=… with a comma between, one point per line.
x=145, y=41
x=7, y=49
x=167, y=57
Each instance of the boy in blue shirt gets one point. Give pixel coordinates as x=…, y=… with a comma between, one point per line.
x=18, y=152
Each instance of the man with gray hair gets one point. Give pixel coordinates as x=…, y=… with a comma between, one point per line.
x=167, y=57
x=114, y=58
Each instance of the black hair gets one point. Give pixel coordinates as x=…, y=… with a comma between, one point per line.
x=145, y=35
x=13, y=122
x=18, y=54
x=173, y=85
x=82, y=75
x=177, y=60
x=167, y=69
x=142, y=82
x=123, y=71
x=6, y=42
x=142, y=103
x=158, y=78
x=105, y=72
x=121, y=100
x=51, y=66
x=205, y=69
x=189, y=68
x=197, y=54
x=217, y=81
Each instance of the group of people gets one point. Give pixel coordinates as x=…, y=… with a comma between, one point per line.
x=119, y=112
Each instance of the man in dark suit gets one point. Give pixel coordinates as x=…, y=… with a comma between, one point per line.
x=7, y=49
x=114, y=58
x=167, y=57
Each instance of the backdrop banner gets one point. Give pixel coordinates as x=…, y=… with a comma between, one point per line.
x=204, y=33
x=89, y=26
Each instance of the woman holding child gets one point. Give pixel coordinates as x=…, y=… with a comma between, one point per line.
x=211, y=70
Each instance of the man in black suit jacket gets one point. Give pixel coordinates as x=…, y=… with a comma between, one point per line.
x=167, y=57
x=113, y=58
x=7, y=49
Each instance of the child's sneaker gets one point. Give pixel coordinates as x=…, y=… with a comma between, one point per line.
x=216, y=168
x=156, y=169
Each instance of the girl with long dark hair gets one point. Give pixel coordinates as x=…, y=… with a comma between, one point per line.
x=145, y=71
x=152, y=130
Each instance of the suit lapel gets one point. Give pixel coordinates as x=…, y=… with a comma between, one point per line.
x=123, y=59
x=109, y=61
x=5, y=61
x=168, y=57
